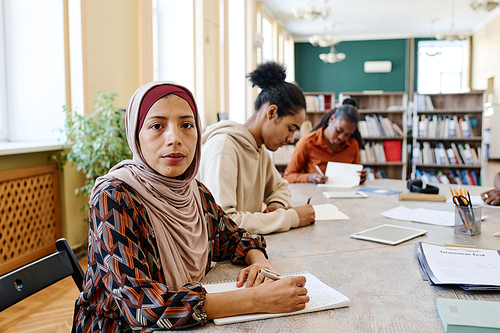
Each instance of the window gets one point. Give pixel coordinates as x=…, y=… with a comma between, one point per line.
x=442, y=66
x=267, y=33
x=173, y=42
x=236, y=60
x=32, y=72
x=3, y=93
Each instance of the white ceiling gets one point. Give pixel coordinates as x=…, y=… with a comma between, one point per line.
x=382, y=19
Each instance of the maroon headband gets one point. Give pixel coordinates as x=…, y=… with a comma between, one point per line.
x=158, y=92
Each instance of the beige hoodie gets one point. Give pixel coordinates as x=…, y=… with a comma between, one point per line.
x=241, y=176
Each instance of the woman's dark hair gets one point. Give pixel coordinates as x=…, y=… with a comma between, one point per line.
x=348, y=111
x=270, y=77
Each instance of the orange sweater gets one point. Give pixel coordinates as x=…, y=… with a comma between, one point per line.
x=312, y=150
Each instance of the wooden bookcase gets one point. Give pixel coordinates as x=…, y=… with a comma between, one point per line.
x=391, y=105
x=432, y=115
x=314, y=111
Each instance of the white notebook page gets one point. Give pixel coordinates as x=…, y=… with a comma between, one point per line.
x=322, y=297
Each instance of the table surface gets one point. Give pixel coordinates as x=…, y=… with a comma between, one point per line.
x=383, y=282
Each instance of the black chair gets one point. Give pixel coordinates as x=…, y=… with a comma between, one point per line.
x=37, y=275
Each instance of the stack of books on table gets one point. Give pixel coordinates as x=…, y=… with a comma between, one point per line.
x=467, y=267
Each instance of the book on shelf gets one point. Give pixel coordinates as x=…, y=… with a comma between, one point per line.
x=311, y=103
x=457, y=154
x=374, y=152
x=374, y=173
x=392, y=150
x=378, y=126
x=283, y=155
x=424, y=103
x=319, y=102
x=437, y=126
x=460, y=177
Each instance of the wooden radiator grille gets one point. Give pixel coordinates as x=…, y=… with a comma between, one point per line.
x=30, y=215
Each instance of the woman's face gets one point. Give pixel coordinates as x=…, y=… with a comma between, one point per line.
x=339, y=130
x=277, y=132
x=168, y=136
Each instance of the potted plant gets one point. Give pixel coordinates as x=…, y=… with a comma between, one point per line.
x=96, y=142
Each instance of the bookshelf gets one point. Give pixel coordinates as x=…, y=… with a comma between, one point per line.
x=447, y=142
x=383, y=124
x=317, y=104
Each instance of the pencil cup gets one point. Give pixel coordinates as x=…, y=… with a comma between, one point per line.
x=468, y=220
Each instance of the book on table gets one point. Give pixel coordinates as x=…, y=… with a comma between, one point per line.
x=321, y=297
x=469, y=316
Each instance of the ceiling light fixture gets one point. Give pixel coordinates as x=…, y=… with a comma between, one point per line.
x=452, y=35
x=323, y=40
x=332, y=57
x=311, y=12
x=486, y=5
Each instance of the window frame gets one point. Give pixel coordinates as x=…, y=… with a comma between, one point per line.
x=464, y=73
x=4, y=119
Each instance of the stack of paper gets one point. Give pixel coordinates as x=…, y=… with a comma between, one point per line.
x=467, y=267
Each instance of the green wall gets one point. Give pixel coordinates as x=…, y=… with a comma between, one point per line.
x=313, y=75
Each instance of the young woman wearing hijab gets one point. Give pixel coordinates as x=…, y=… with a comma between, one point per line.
x=154, y=231
x=335, y=141
x=237, y=167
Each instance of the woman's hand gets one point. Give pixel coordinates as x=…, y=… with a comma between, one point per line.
x=251, y=275
x=316, y=178
x=491, y=197
x=362, y=176
x=306, y=215
x=285, y=295
x=256, y=260
x=273, y=206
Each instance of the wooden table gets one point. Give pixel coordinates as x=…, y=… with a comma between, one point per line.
x=383, y=282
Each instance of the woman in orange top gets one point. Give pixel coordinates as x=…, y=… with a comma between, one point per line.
x=333, y=142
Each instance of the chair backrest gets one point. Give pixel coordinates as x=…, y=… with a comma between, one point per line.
x=37, y=275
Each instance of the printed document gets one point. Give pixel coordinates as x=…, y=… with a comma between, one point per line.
x=463, y=266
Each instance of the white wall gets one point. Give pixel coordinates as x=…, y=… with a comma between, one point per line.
x=485, y=57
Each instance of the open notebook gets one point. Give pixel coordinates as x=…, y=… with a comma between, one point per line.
x=322, y=297
x=327, y=212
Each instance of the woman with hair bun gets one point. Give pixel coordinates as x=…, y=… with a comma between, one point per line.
x=238, y=170
x=335, y=139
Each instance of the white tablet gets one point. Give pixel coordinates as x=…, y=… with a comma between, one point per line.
x=389, y=234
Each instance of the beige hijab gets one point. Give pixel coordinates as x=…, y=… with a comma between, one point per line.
x=172, y=205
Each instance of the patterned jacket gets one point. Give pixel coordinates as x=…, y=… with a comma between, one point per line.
x=124, y=288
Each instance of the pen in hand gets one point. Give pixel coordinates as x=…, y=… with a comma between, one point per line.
x=319, y=171
x=309, y=200
x=270, y=274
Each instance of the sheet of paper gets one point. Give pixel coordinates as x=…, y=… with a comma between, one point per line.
x=423, y=215
x=342, y=175
x=326, y=212
x=463, y=266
